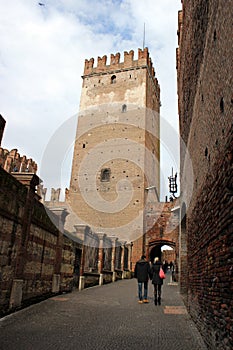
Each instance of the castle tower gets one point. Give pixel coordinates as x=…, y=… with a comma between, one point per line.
x=116, y=160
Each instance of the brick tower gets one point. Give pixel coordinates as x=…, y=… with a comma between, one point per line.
x=116, y=160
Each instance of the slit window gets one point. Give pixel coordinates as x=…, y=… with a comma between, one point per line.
x=222, y=105
x=124, y=108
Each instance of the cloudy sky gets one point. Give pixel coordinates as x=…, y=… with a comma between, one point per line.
x=42, y=53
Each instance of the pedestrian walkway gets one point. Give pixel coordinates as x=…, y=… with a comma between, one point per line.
x=103, y=317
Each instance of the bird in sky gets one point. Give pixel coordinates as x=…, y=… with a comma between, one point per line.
x=41, y=4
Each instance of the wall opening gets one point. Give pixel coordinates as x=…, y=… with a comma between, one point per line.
x=124, y=108
x=222, y=105
x=113, y=79
x=105, y=175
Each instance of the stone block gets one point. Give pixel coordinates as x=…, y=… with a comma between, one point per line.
x=16, y=293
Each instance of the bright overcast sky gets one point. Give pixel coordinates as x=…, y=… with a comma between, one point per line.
x=42, y=53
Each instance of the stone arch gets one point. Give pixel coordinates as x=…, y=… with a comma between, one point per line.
x=155, y=248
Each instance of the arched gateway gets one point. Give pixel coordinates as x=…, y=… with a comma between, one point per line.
x=155, y=248
x=164, y=232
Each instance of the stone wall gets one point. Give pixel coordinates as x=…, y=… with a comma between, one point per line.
x=35, y=259
x=204, y=63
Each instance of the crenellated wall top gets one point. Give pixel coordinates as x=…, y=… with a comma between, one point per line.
x=115, y=64
x=11, y=161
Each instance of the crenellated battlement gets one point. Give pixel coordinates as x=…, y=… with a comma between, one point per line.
x=11, y=161
x=115, y=59
x=115, y=64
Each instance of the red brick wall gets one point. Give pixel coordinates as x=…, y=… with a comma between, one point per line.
x=163, y=222
x=205, y=109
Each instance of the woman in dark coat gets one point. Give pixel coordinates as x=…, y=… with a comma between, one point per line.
x=156, y=280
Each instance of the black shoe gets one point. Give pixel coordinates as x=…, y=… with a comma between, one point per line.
x=159, y=301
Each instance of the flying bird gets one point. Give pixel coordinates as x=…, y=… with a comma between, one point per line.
x=41, y=4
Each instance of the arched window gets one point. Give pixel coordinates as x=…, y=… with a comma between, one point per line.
x=113, y=79
x=105, y=175
x=123, y=108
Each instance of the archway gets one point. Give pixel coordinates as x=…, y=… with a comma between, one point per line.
x=155, y=248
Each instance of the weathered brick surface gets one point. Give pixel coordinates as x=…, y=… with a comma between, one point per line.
x=123, y=141
x=13, y=161
x=205, y=109
x=28, y=245
x=162, y=228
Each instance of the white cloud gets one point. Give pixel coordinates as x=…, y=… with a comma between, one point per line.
x=42, y=53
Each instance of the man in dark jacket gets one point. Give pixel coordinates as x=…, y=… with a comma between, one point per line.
x=142, y=273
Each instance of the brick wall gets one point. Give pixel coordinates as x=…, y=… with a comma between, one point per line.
x=205, y=109
x=162, y=228
x=32, y=250
x=12, y=161
x=117, y=132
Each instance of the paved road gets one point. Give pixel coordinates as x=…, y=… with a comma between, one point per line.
x=103, y=317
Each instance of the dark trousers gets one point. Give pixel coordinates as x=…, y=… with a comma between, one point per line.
x=157, y=291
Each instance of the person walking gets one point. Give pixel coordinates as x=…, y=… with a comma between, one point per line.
x=142, y=273
x=157, y=281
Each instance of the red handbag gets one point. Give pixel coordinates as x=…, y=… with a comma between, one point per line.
x=161, y=273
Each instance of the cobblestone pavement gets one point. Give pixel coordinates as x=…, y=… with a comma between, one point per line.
x=103, y=317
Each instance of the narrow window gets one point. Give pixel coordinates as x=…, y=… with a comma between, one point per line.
x=113, y=79
x=105, y=175
x=124, y=108
x=84, y=145
x=222, y=105
x=215, y=35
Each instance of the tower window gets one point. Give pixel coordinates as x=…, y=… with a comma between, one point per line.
x=124, y=108
x=113, y=79
x=215, y=35
x=105, y=175
x=222, y=105
x=84, y=145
